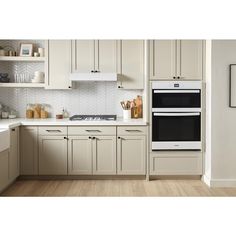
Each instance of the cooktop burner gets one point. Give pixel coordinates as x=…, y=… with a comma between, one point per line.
x=93, y=117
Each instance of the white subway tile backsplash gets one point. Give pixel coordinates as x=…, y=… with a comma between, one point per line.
x=85, y=98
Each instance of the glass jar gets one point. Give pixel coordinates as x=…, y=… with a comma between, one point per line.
x=44, y=112
x=29, y=111
x=37, y=111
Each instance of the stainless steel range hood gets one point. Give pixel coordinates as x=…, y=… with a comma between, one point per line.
x=93, y=76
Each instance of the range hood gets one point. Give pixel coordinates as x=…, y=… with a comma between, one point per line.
x=93, y=76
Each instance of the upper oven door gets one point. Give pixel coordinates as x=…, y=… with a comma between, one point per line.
x=171, y=100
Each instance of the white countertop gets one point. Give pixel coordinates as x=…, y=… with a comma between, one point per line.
x=11, y=123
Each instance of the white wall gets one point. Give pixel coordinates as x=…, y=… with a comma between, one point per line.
x=223, y=118
x=86, y=98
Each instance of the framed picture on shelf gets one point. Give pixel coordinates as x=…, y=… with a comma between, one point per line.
x=26, y=49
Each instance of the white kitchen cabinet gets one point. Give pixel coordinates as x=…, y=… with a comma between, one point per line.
x=104, y=155
x=176, y=163
x=52, y=155
x=79, y=155
x=94, y=56
x=132, y=64
x=163, y=59
x=89, y=155
x=176, y=59
x=131, y=155
x=14, y=161
x=190, y=59
x=4, y=181
x=59, y=64
x=92, y=150
x=29, y=150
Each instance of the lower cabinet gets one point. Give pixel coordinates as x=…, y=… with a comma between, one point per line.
x=52, y=155
x=79, y=155
x=91, y=155
x=104, y=155
x=131, y=153
x=29, y=150
x=4, y=169
x=14, y=165
x=176, y=163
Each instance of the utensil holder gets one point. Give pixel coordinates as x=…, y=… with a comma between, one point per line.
x=126, y=114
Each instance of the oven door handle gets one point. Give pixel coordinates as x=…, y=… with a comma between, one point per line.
x=177, y=114
x=176, y=91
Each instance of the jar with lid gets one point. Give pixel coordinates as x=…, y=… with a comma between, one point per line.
x=29, y=111
x=44, y=112
x=37, y=111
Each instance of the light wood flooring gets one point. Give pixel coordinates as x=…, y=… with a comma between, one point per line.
x=114, y=188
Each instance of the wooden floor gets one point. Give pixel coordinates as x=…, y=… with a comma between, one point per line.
x=114, y=188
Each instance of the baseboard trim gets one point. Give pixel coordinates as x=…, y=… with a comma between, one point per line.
x=82, y=177
x=223, y=183
x=206, y=180
x=219, y=183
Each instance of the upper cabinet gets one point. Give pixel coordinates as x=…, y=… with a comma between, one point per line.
x=176, y=59
x=59, y=64
x=94, y=56
x=131, y=64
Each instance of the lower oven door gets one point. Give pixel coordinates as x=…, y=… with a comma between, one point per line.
x=176, y=131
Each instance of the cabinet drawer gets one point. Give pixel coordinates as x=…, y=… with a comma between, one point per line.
x=131, y=130
x=91, y=130
x=53, y=130
x=176, y=166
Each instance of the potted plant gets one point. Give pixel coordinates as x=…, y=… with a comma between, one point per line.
x=2, y=51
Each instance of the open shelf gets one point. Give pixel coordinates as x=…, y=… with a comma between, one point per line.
x=22, y=85
x=17, y=58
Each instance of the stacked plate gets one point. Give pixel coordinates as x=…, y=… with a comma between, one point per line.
x=38, y=77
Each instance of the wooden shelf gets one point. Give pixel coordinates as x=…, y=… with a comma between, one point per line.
x=28, y=59
x=22, y=85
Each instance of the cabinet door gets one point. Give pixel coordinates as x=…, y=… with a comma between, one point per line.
x=104, y=155
x=162, y=59
x=106, y=56
x=4, y=169
x=190, y=59
x=52, y=155
x=29, y=150
x=131, y=155
x=83, y=56
x=132, y=64
x=79, y=155
x=14, y=165
x=59, y=64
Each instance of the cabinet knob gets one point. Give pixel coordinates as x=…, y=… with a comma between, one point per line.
x=69, y=86
x=178, y=77
x=90, y=137
x=93, y=137
x=65, y=137
x=174, y=77
x=120, y=86
x=118, y=137
x=13, y=130
x=92, y=71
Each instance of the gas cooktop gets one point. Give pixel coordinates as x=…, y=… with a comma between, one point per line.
x=93, y=117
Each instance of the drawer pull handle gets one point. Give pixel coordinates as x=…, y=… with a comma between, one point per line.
x=93, y=130
x=133, y=130
x=53, y=131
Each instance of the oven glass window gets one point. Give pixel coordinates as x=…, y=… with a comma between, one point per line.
x=176, y=100
x=176, y=128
